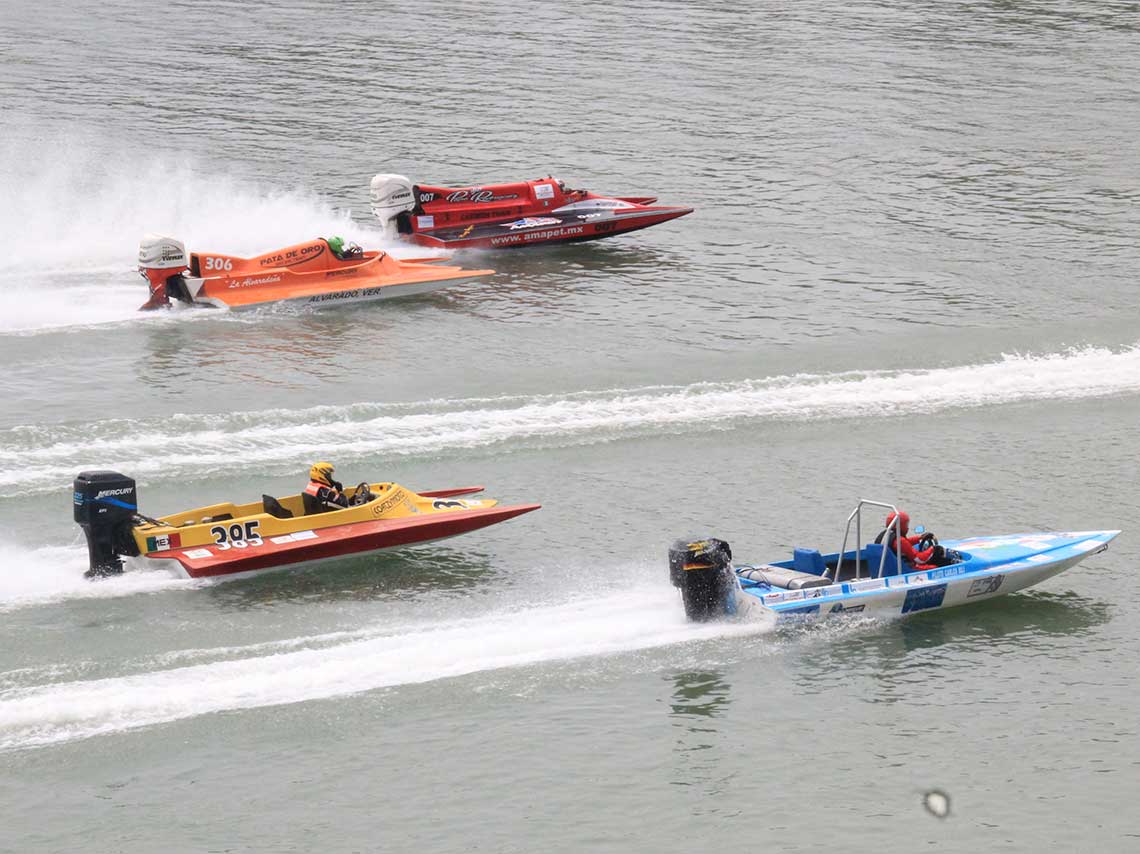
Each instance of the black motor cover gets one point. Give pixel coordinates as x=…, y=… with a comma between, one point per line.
x=702, y=568
x=105, y=505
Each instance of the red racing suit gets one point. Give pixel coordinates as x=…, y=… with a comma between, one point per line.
x=917, y=559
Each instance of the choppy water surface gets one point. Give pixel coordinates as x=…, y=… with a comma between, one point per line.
x=911, y=276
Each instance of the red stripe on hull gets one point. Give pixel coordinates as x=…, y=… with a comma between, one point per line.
x=339, y=541
x=451, y=493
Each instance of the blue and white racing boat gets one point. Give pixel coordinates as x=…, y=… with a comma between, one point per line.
x=871, y=579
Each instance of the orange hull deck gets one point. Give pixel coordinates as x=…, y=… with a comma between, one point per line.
x=311, y=273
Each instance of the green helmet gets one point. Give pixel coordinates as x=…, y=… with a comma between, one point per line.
x=336, y=244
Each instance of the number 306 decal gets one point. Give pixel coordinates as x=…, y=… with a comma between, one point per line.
x=219, y=263
x=236, y=536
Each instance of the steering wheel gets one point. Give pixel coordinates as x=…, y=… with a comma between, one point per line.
x=362, y=495
x=928, y=540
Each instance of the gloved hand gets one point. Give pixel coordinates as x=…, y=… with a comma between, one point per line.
x=338, y=486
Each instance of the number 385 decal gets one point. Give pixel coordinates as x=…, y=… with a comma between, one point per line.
x=237, y=535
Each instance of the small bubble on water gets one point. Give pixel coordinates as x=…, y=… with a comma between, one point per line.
x=937, y=803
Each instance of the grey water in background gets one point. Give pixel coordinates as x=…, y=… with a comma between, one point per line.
x=910, y=275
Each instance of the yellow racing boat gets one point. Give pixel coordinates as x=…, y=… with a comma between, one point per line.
x=227, y=538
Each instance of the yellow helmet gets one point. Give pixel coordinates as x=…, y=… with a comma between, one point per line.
x=322, y=473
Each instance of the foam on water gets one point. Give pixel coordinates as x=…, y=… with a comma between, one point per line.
x=36, y=576
x=71, y=224
x=621, y=621
x=37, y=459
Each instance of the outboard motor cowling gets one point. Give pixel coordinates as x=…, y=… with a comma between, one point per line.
x=702, y=569
x=106, y=504
x=391, y=195
x=161, y=260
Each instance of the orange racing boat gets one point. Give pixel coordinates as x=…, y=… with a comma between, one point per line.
x=309, y=273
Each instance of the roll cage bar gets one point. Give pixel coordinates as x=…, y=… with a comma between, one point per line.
x=857, y=517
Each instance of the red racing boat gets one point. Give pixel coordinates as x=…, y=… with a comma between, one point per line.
x=506, y=216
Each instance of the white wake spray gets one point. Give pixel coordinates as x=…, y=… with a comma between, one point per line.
x=634, y=619
x=44, y=574
x=38, y=459
x=71, y=224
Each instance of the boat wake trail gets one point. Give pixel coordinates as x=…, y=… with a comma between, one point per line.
x=91, y=213
x=38, y=459
x=36, y=576
x=620, y=621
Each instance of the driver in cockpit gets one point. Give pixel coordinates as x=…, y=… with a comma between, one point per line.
x=343, y=252
x=323, y=493
x=904, y=545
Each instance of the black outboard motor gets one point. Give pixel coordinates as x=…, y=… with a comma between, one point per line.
x=105, y=507
x=703, y=571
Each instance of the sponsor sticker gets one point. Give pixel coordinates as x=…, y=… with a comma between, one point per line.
x=924, y=598
x=196, y=554
x=946, y=572
x=550, y=234
x=595, y=204
x=425, y=222
x=544, y=191
x=292, y=538
x=104, y=493
x=531, y=222
x=164, y=543
x=250, y=281
x=294, y=256
x=479, y=196
x=985, y=586
x=388, y=503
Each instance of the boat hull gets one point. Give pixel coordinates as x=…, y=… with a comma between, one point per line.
x=980, y=578
x=365, y=285
x=307, y=273
x=547, y=227
x=329, y=543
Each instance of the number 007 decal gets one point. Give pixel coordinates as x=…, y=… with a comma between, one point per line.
x=237, y=535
